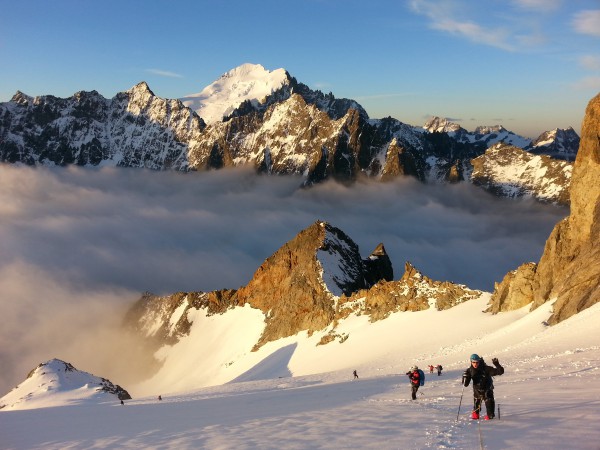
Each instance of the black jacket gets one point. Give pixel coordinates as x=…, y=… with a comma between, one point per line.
x=482, y=375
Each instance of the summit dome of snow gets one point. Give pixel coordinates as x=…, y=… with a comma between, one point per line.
x=58, y=383
x=247, y=82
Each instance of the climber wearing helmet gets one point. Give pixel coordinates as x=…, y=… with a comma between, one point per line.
x=483, y=385
x=414, y=375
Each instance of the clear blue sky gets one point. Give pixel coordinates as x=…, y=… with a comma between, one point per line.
x=530, y=65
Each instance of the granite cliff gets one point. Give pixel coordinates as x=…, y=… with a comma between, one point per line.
x=568, y=273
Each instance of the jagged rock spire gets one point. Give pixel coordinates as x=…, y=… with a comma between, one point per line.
x=378, y=266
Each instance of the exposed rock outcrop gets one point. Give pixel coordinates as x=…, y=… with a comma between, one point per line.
x=413, y=292
x=569, y=270
x=515, y=290
x=163, y=319
x=296, y=286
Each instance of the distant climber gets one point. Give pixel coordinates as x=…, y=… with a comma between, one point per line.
x=439, y=369
x=355, y=375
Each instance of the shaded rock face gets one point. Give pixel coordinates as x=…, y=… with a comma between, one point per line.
x=401, y=160
x=568, y=273
x=163, y=319
x=378, y=266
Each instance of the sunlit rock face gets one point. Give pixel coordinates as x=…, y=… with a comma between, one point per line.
x=515, y=290
x=569, y=270
x=568, y=273
x=412, y=292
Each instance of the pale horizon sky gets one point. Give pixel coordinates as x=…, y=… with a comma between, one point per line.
x=529, y=65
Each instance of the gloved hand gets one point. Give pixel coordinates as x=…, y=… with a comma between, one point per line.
x=495, y=361
x=465, y=379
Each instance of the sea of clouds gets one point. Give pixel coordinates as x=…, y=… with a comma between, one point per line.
x=78, y=246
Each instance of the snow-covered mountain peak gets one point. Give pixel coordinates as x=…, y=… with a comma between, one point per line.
x=141, y=88
x=559, y=143
x=57, y=383
x=441, y=125
x=20, y=98
x=247, y=82
x=486, y=129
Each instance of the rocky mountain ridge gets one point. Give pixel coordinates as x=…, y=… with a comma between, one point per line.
x=291, y=130
x=559, y=143
x=509, y=171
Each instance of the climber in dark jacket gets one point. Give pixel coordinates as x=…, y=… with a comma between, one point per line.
x=483, y=385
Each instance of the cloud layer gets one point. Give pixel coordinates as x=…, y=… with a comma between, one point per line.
x=78, y=246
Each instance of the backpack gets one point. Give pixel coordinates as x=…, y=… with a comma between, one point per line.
x=421, y=377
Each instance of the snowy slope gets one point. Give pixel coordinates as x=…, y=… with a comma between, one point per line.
x=247, y=82
x=297, y=396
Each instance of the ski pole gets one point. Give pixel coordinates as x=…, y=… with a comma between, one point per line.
x=460, y=403
x=498, y=411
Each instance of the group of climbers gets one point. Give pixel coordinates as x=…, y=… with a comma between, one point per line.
x=479, y=373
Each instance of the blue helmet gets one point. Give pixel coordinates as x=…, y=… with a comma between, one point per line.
x=475, y=357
